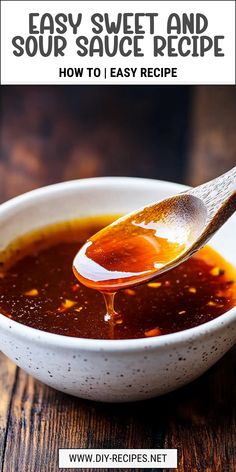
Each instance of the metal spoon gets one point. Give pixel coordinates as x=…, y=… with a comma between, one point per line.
x=147, y=242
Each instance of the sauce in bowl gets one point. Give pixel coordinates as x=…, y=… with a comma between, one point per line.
x=39, y=289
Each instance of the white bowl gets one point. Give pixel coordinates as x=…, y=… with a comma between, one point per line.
x=109, y=370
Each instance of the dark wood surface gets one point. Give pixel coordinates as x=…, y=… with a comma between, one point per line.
x=199, y=419
x=35, y=421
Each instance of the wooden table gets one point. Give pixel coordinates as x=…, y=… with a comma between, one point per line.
x=35, y=421
x=199, y=419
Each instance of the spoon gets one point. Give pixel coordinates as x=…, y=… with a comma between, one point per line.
x=156, y=238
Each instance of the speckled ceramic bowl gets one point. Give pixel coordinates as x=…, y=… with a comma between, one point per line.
x=111, y=371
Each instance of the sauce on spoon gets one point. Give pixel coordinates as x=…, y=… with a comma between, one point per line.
x=136, y=247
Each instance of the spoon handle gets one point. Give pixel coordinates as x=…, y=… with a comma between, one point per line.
x=219, y=197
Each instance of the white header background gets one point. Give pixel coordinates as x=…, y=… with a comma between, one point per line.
x=45, y=70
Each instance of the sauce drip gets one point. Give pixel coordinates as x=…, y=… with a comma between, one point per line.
x=39, y=289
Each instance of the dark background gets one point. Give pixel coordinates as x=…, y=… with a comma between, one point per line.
x=53, y=133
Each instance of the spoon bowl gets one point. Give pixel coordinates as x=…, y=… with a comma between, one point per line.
x=141, y=245
x=149, y=241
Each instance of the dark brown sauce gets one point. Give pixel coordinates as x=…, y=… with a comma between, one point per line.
x=39, y=289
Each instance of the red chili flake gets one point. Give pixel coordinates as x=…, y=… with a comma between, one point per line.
x=32, y=293
x=211, y=303
x=153, y=332
x=75, y=288
x=79, y=309
x=129, y=291
x=154, y=284
x=66, y=305
x=192, y=290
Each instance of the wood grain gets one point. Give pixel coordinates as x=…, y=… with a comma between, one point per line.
x=7, y=382
x=199, y=420
x=35, y=420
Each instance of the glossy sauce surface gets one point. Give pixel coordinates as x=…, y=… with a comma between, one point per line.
x=136, y=247
x=39, y=289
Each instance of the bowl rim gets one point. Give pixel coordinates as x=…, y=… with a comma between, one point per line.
x=108, y=345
